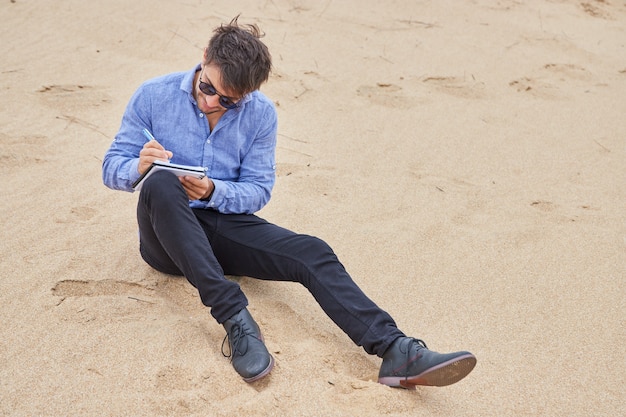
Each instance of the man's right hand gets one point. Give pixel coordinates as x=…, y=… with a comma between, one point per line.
x=151, y=152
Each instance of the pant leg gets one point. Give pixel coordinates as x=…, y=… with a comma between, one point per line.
x=250, y=246
x=173, y=241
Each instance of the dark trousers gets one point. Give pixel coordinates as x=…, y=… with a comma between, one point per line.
x=204, y=245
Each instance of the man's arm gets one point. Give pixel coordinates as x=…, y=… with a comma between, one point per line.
x=120, y=166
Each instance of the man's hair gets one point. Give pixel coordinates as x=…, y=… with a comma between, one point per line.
x=244, y=61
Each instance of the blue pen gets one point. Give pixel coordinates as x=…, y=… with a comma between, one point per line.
x=147, y=134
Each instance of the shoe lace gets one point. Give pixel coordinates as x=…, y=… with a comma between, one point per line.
x=419, y=342
x=237, y=334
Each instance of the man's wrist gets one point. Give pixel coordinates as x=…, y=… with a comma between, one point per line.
x=208, y=197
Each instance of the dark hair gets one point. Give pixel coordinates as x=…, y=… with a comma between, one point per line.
x=244, y=61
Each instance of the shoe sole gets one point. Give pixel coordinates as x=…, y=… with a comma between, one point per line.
x=263, y=373
x=446, y=373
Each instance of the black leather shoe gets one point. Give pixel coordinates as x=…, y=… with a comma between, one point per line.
x=408, y=363
x=248, y=353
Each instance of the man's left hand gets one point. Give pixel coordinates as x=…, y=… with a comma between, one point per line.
x=197, y=188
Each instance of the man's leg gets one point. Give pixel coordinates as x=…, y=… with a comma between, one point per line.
x=172, y=241
x=249, y=246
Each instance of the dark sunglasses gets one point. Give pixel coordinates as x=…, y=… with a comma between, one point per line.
x=209, y=90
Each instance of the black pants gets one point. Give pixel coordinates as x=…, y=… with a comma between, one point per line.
x=203, y=245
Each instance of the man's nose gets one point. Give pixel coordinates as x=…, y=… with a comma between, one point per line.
x=213, y=100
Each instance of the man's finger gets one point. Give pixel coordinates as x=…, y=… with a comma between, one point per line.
x=154, y=144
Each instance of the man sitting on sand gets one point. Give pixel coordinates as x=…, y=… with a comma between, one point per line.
x=214, y=116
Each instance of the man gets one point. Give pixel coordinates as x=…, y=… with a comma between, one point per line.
x=214, y=116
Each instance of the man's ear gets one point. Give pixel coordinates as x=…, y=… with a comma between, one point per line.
x=204, y=55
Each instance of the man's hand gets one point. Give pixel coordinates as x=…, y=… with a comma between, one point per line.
x=151, y=152
x=196, y=188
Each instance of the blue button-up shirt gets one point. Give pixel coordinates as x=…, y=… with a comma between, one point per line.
x=239, y=153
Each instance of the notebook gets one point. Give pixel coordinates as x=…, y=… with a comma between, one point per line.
x=179, y=170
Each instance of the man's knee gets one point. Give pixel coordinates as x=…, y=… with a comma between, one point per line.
x=162, y=185
x=314, y=249
x=160, y=179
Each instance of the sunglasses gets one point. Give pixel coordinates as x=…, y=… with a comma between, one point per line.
x=209, y=90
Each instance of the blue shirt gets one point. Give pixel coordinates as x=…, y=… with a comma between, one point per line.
x=239, y=153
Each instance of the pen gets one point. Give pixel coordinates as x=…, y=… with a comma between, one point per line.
x=147, y=134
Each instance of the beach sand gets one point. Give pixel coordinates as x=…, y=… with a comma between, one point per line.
x=465, y=159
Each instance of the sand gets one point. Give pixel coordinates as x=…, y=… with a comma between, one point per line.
x=465, y=159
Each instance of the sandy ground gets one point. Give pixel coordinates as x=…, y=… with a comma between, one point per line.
x=465, y=159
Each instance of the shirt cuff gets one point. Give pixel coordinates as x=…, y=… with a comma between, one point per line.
x=133, y=174
x=217, y=195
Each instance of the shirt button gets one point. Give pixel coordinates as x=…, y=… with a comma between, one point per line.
x=208, y=141
x=201, y=115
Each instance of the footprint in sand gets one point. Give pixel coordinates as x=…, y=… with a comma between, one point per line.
x=536, y=88
x=596, y=8
x=19, y=152
x=80, y=213
x=77, y=288
x=73, y=96
x=457, y=86
x=385, y=94
x=569, y=71
x=542, y=205
x=550, y=77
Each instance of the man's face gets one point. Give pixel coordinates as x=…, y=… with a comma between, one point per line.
x=211, y=95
